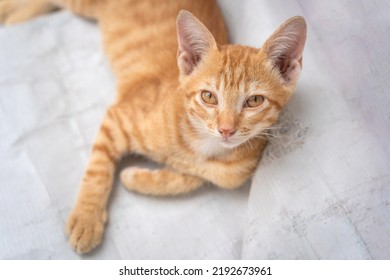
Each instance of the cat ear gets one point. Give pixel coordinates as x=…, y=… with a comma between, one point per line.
x=285, y=46
x=195, y=41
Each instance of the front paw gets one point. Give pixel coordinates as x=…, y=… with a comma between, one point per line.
x=85, y=228
x=129, y=177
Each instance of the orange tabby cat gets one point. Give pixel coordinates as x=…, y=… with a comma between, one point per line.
x=189, y=101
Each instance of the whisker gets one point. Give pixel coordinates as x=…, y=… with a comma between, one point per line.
x=264, y=137
x=273, y=128
x=270, y=135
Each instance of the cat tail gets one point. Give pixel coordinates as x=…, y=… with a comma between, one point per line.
x=17, y=11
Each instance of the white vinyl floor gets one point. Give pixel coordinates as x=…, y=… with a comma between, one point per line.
x=322, y=190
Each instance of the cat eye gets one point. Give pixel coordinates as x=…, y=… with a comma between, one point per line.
x=208, y=98
x=254, y=101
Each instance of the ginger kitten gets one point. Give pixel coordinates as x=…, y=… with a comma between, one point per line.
x=185, y=98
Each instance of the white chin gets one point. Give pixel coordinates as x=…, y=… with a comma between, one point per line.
x=213, y=146
x=230, y=145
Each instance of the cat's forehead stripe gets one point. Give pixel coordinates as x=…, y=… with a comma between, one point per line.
x=234, y=69
x=234, y=77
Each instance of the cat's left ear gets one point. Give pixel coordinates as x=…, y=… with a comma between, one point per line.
x=285, y=46
x=195, y=41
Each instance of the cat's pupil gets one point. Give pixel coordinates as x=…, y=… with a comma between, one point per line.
x=209, y=98
x=255, y=101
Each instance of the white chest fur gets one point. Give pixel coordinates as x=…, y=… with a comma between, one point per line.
x=209, y=147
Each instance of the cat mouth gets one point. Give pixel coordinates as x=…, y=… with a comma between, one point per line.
x=229, y=143
x=232, y=142
x=226, y=140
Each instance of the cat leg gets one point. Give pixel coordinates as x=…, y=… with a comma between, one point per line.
x=159, y=182
x=86, y=222
x=226, y=175
x=86, y=8
x=187, y=177
x=16, y=11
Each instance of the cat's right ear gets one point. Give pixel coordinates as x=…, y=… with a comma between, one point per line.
x=195, y=41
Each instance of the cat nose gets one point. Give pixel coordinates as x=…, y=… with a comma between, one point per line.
x=227, y=132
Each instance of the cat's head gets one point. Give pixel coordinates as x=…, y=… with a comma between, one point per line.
x=234, y=93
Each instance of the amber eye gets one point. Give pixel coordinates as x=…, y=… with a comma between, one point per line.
x=208, y=98
x=254, y=101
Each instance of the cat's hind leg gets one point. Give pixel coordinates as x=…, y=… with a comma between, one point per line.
x=16, y=11
x=161, y=182
x=86, y=8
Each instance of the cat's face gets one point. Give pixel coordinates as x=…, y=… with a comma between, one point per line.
x=233, y=96
x=234, y=93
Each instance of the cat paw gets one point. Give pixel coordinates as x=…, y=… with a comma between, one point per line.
x=158, y=181
x=4, y=9
x=85, y=228
x=128, y=177
x=7, y=10
x=16, y=11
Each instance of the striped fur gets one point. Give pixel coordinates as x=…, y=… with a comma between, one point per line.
x=159, y=111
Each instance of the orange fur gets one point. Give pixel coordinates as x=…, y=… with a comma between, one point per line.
x=159, y=111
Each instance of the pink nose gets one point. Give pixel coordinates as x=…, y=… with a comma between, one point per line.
x=226, y=133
